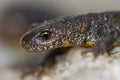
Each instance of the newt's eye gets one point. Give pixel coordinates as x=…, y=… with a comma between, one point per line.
x=45, y=35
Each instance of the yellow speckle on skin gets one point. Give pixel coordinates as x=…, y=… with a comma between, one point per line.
x=90, y=43
x=115, y=44
x=65, y=43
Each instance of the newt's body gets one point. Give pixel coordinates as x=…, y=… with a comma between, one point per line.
x=100, y=32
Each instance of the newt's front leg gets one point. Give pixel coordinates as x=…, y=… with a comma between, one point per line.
x=102, y=47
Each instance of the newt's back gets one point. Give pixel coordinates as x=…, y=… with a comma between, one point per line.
x=90, y=27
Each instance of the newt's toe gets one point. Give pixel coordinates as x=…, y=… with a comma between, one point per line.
x=84, y=53
x=96, y=51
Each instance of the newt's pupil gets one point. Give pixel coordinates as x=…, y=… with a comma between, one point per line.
x=45, y=35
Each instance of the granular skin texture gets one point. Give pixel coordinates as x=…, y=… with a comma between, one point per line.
x=98, y=32
x=87, y=30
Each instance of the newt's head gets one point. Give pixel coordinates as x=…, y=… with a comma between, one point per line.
x=43, y=37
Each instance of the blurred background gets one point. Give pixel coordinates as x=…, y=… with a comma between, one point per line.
x=17, y=15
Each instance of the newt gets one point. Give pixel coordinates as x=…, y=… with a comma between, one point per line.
x=98, y=32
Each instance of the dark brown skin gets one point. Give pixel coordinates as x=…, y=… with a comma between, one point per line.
x=100, y=32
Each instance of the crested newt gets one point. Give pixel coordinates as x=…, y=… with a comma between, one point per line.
x=99, y=32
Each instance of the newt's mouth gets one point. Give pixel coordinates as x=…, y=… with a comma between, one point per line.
x=29, y=47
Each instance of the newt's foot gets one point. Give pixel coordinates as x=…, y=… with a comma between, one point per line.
x=96, y=52
x=101, y=48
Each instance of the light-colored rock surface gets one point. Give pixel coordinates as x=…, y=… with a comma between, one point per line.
x=72, y=66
